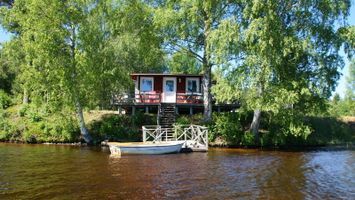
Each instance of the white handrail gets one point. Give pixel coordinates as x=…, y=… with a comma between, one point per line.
x=195, y=134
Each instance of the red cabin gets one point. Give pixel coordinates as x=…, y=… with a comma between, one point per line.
x=152, y=89
x=168, y=88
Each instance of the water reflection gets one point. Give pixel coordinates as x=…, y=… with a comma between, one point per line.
x=43, y=172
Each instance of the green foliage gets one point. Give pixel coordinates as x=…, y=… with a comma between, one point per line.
x=23, y=110
x=228, y=126
x=120, y=127
x=5, y=127
x=32, y=124
x=286, y=58
x=248, y=139
x=183, y=120
x=183, y=63
x=5, y=100
x=190, y=119
x=330, y=130
x=279, y=57
x=345, y=106
x=350, y=82
x=77, y=54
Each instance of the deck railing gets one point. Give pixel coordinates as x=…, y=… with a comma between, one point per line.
x=193, y=135
x=156, y=97
x=190, y=98
x=148, y=97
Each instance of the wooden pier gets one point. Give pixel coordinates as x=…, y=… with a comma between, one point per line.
x=195, y=136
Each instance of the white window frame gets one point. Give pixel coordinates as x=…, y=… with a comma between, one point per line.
x=197, y=85
x=141, y=83
x=136, y=89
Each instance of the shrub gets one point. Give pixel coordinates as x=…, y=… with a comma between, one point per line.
x=329, y=130
x=183, y=120
x=248, y=139
x=5, y=100
x=4, y=126
x=228, y=126
x=23, y=110
x=120, y=127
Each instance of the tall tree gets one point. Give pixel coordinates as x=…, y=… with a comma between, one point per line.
x=83, y=51
x=198, y=29
x=289, y=58
x=349, y=99
x=350, y=79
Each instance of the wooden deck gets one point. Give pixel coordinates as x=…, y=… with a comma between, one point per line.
x=195, y=136
x=185, y=103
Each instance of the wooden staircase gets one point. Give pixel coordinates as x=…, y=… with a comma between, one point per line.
x=166, y=118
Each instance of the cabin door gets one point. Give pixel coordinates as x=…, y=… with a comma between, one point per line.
x=169, y=90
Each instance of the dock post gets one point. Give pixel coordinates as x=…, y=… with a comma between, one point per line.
x=144, y=135
x=133, y=110
x=119, y=110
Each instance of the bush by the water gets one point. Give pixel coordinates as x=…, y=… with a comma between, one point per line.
x=115, y=127
x=227, y=127
x=284, y=130
x=5, y=99
x=36, y=124
x=330, y=130
x=30, y=124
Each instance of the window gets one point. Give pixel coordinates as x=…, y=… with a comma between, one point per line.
x=192, y=85
x=147, y=84
x=169, y=86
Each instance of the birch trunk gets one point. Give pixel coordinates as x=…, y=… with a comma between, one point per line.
x=254, y=127
x=207, y=67
x=84, y=131
x=75, y=91
x=207, y=98
x=25, y=97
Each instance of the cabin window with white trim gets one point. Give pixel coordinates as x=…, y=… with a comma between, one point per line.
x=192, y=85
x=147, y=84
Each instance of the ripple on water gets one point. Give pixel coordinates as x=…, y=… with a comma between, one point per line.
x=61, y=172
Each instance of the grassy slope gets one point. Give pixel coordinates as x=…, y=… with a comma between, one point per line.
x=109, y=125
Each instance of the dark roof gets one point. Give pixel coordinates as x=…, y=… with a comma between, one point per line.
x=162, y=74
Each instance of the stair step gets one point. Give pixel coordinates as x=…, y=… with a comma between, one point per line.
x=167, y=116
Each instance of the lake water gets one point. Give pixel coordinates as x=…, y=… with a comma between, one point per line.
x=66, y=172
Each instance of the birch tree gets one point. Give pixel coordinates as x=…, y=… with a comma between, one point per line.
x=199, y=29
x=290, y=57
x=83, y=50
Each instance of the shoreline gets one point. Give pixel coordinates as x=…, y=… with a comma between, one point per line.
x=330, y=147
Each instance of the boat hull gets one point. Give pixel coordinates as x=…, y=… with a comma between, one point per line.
x=143, y=148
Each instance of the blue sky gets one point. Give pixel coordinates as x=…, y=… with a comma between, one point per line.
x=4, y=36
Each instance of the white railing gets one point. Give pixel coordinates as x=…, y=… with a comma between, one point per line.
x=156, y=133
x=195, y=136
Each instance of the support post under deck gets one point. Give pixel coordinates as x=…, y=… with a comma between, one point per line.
x=133, y=110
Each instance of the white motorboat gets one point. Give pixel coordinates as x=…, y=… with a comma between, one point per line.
x=117, y=148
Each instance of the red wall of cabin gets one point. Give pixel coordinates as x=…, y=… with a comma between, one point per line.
x=180, y=82
x=158, y=83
